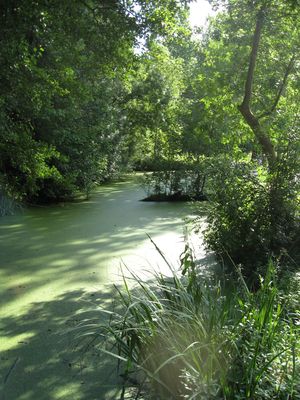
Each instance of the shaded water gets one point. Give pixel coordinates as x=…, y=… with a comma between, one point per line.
x=58, y=261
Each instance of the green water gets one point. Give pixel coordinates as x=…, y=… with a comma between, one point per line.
x=57, y=262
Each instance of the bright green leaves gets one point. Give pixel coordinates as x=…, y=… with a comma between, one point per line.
x=226, y=48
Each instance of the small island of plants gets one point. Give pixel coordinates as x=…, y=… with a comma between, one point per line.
x=175, y=180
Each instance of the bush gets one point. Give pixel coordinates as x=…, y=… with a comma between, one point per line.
x=253, y=215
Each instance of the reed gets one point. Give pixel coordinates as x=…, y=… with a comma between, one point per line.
x=186, y=337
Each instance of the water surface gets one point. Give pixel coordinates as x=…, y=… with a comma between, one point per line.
x=58, y=261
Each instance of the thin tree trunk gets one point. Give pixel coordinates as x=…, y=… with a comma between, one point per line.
x=245, y=108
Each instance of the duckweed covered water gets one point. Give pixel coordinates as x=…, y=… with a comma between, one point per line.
x=59, y=261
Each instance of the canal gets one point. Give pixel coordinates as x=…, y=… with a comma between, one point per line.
x=58, y=265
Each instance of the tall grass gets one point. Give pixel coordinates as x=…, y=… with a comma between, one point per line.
x=186, y=337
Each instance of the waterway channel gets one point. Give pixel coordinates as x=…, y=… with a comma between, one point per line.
x=58, y=264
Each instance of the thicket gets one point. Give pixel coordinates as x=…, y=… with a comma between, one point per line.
x=254, y=214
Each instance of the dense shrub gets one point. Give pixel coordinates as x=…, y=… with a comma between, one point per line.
x=253, y=215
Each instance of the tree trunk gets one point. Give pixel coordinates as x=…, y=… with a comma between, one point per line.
x=245, y=108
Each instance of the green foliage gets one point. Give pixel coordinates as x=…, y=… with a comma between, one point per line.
x=226, y=52
x=254, y=205
x=65, y=81
x=253, y=215
x=187, y=338
x=239, y=219
x=154, y=106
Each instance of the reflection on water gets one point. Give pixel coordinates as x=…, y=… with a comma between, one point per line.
x=56, y=261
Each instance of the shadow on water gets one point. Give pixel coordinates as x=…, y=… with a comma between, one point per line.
x=55, y=262
x=49, y=361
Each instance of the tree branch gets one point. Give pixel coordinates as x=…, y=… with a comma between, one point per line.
x=252, y=62
x=281, y=88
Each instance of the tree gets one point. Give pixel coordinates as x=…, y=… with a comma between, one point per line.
x=154, y=105
x=64, y=77
x=274, y=54
x=252, y=50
